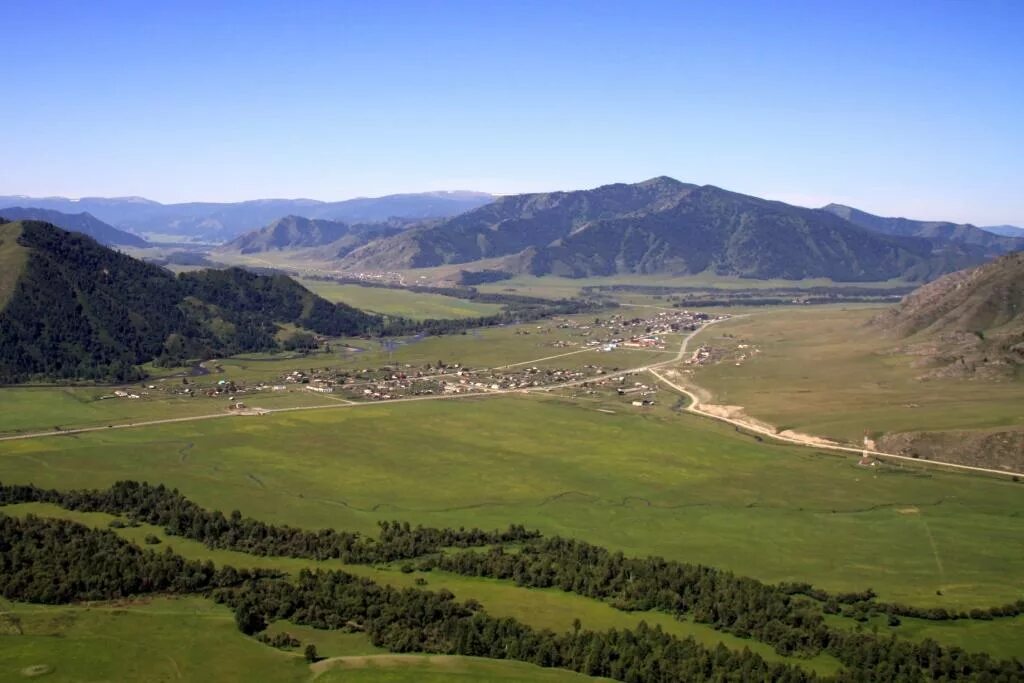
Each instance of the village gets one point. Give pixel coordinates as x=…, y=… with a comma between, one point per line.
x=392, y=381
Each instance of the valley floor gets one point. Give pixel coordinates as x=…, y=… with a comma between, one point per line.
x=576, y=462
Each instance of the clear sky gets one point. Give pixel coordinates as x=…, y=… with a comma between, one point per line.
x=909, y=107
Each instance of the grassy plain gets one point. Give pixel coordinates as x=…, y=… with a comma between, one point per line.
x=677, y=486
x=193, y=639
x=436, y=669
x=399, y=302
x=823, y=371
x=553, y=287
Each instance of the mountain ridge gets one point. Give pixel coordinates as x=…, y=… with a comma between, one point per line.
x=963, y=235
x=297, y=232
x=84, y=222
x=223, y=221
x=660, y=225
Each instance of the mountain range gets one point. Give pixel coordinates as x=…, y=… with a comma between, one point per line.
x=85, y=223
x=71, y=308
x=663, y=226
x=1005, y=230
x=983, y=242
x=219, y=222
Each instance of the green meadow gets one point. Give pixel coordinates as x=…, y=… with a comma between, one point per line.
x=399, y=302
x=677, y=486
x=192, y=639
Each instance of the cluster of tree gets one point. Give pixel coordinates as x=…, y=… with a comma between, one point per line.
x=55, y=561
x=479, y=277
x=165, y=507
x=282, y=640
x=776, y=615
x=412, y=620
x=1011, y=609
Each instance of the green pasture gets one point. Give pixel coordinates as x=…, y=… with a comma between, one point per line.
x=438, y=669
x=825, y=371
x=554, y=287
x=42, y=409
x=678, y=486
x=399, y=302
x=162, y=639
x=193, y=639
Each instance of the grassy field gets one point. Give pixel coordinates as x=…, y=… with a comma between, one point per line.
x=154, y=640
x=823, y=371
x=554, y=287
x=436, y=669
x=400, y=302
x=192, y=639
x=681, y=487
x=12, y=260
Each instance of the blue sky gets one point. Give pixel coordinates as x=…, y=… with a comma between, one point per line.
x=909, y=108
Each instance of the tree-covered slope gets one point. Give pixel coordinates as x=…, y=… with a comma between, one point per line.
x=659, y=226
x=85, y=223
x=80, y=310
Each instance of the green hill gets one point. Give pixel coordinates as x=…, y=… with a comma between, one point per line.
x=659, y=226
x=79, y=310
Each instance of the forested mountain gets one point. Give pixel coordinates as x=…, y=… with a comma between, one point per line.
x=296, y=232
x=77, y=309
x=85, y=223
x=970, y=320
x=942, y=233
x=658, y=226
x=218, y=222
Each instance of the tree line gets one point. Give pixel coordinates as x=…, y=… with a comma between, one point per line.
x=167, y=508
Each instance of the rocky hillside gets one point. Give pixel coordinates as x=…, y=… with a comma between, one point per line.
x=966, y=322
x=78, y=310
x=658, y=226
x=296, y=232
x=85, y=223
